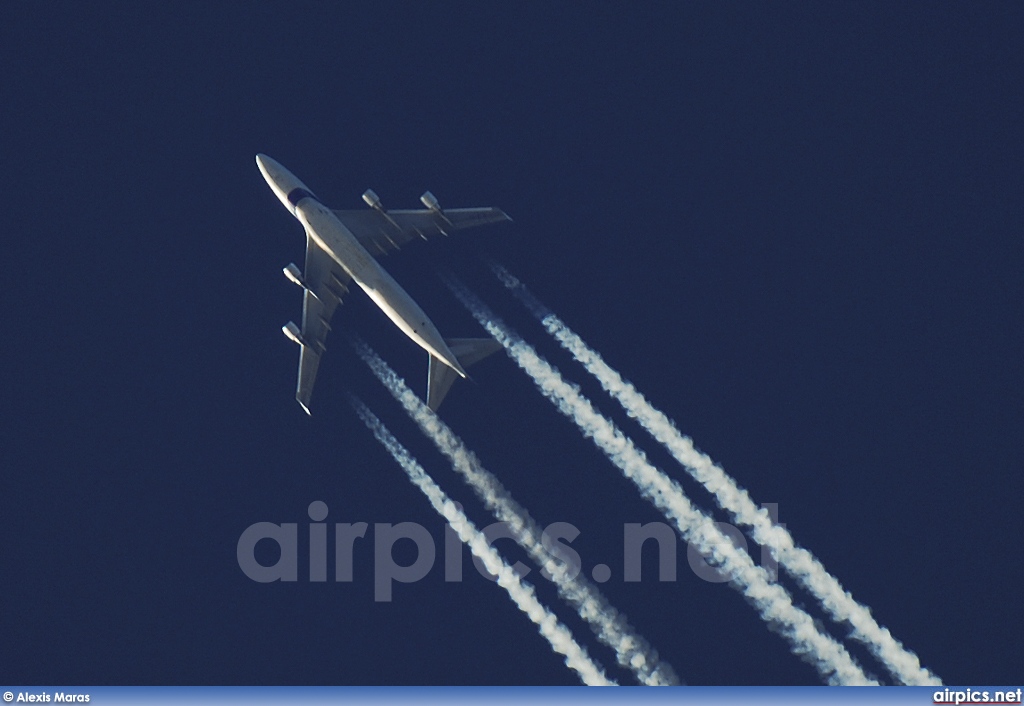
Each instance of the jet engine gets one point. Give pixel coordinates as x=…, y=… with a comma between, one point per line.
x=294, y=275
x=292, y=332
x=430, y=201
x=372, y=200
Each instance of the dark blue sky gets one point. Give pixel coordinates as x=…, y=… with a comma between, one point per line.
x=796, y=227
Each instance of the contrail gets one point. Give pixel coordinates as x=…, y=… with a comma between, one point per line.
x=611, y=627
x=559, y=636
x=773, y=603
x=797, y=561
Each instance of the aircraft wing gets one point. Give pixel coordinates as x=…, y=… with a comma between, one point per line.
x=325, y=284
x=381, y=231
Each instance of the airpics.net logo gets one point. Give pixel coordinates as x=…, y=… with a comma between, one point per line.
x=958, y=696
x=268, y=539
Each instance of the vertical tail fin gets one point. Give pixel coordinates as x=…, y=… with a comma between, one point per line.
x=440, y=377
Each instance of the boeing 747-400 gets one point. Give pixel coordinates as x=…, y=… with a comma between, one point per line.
x=341, y=247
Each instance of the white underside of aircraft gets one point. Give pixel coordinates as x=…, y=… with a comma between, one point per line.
x=340, y=249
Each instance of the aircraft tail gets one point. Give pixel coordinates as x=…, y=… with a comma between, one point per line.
x=440, y=376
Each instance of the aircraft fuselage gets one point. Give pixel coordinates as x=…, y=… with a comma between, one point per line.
x=338, y=241
x=330, y=234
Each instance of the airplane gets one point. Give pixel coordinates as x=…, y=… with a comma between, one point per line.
x=340, y=249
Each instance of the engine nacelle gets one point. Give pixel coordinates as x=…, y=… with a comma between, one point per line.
x=292, y=332
x=372, y=200
x=294, y=275
x=430, y=201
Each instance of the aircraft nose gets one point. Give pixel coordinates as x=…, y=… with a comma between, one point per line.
x=276, y=175
x=282, y=181
x=269, y=168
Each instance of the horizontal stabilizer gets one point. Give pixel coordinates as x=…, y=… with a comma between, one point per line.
x=472, y=350
x=440, y=376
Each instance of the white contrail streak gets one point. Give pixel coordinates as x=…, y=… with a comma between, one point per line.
x=559, y=636
x=797, y=561
x=772, y=602
x=611, y=627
